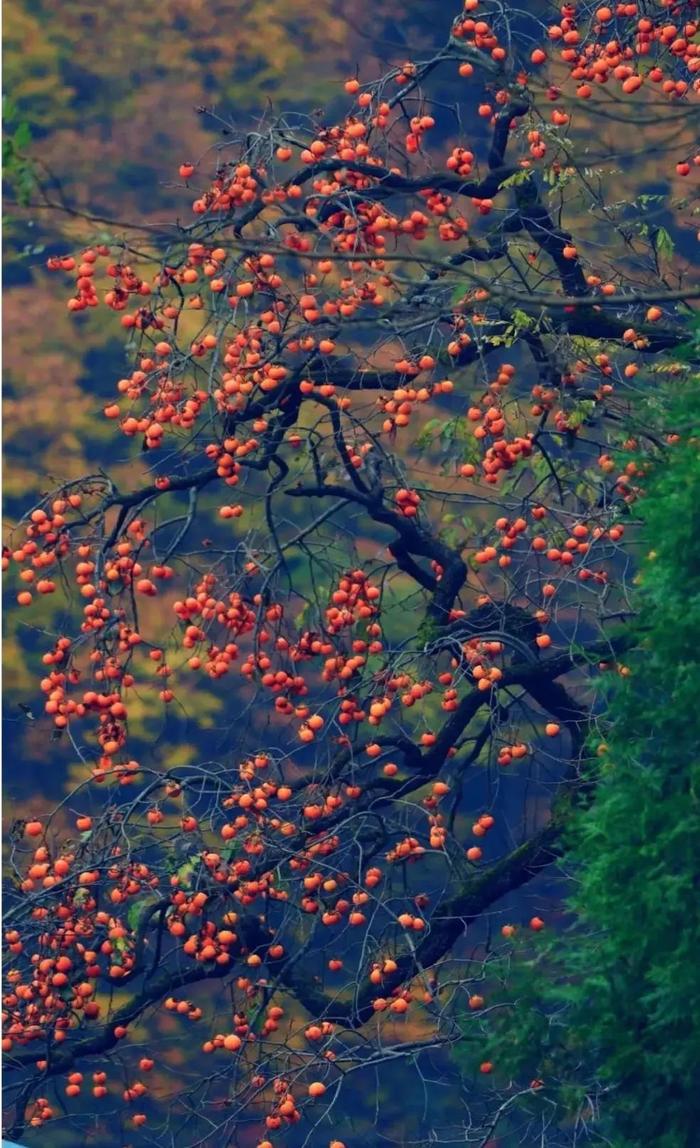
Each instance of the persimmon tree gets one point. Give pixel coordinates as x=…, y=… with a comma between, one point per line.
x=423, y=360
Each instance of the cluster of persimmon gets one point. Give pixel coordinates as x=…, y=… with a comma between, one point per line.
x=507, y=754
x=622, y=45
x=616, y=44
x=461, y=161
x=355, y=599
x=132, y=1092
x=408, y=849
x=39, y=1112
x=480, y=828
x=55, y=989
x=285, y=1109
x=479, y=34
x=408, y=502
x=57, y=986
x=234, y=186
x=399, y=407
x=86, y=294
x=45, y=544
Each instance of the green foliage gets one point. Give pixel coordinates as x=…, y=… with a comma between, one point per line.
x=604, y=1012
x=18, y=170
x=690, y=352
x=518, y=178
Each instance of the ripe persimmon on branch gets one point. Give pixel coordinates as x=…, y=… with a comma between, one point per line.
x=325, y=629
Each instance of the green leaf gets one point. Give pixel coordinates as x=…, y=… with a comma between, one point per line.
x=22, y=137
x=522, y=321
x=518, y=178
x=664, y=243
x=579, y=415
